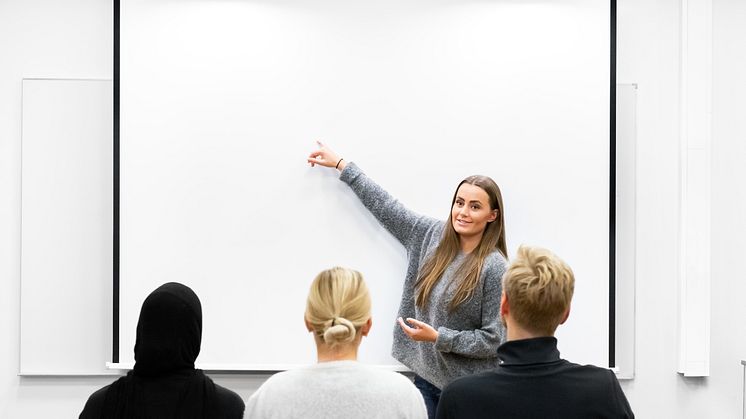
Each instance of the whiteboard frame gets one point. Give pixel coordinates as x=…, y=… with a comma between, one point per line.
x=612, y=306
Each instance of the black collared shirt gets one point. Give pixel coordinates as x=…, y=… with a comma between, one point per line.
x=532, y=381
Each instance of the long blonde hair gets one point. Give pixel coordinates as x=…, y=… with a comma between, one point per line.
x=467, y=275
x=338, y=305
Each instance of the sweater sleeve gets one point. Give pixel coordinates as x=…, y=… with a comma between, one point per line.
x=254, y=406
x=448, y=402
x=625, y=411
x=94, y=407
x=483, y=341
x=405, y=225
x=413, y=402
x=229, y=404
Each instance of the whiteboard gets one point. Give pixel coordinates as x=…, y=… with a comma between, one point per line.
x=222, y=101
x=66, y=234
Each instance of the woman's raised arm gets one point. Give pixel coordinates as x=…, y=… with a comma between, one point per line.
x=407, y=226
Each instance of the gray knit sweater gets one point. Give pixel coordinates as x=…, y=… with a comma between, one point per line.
x=336, y=389
x=468, y=336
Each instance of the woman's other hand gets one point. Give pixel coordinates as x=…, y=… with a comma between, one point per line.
x=421, y=332
x=326, y=157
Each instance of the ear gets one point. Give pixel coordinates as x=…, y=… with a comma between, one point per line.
x=493, y=216
x=565, y=316
x=366, y=327
x=504, y=305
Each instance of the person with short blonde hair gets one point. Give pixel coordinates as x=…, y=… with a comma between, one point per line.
x=338, y=314
x=540, y=286
x=532, y=380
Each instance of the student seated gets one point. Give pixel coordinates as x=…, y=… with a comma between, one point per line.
x=532, y=381
x=338, y=315
x=164, y=382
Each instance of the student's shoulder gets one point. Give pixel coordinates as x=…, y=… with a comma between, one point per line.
x=282, y=378
x=384, y=375
x=229, y=401
x=589, y=369
x=494, y=268
x=388, y=382
x=463, y=392
x=95, y=404
x=595, y=377
x=601, y=385
x=496, y=260
x=468, y=382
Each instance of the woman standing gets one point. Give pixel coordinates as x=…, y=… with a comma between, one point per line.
x=449, y=315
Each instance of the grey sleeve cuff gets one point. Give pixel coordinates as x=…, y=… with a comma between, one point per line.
x=349, y=173
x=444, y=342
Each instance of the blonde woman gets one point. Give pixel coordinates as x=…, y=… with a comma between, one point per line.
x=338, y=316
x=450, y=307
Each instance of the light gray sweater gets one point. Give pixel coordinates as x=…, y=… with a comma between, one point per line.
x=337, y=389
x=468, y=336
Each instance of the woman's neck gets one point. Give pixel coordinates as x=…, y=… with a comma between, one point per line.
x=324, y=353
x=469, y=243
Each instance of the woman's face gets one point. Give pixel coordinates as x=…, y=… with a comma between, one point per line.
x=471, y=211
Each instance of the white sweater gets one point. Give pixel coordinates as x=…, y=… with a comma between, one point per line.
x=337, y=389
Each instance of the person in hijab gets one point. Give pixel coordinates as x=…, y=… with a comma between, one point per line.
x=164, y=382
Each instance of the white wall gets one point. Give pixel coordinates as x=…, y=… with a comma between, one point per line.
x=728, y=206
x=46, y=38
x=38, y=38
x=649, y=53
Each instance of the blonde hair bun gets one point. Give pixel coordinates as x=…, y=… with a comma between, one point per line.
x=338, y=306
x=341, y=330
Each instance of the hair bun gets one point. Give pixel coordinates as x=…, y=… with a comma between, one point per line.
x=340, y=331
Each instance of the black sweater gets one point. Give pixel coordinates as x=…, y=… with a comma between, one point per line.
x=533, y=382
x=162, y=395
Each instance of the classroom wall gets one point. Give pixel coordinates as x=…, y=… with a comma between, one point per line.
x=38, y=38
x=47, y=38
x=649, y=53
x=728, y=206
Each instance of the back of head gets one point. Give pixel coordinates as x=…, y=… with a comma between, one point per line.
x=539, y=287
x=164, y=382
x=169, y=330
x=338, y=305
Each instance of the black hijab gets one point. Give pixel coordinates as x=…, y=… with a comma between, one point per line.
x=164, y=383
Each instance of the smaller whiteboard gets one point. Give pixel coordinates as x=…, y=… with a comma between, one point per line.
x=66, y=234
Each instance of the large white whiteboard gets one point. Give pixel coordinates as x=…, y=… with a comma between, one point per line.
x=221, y=102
